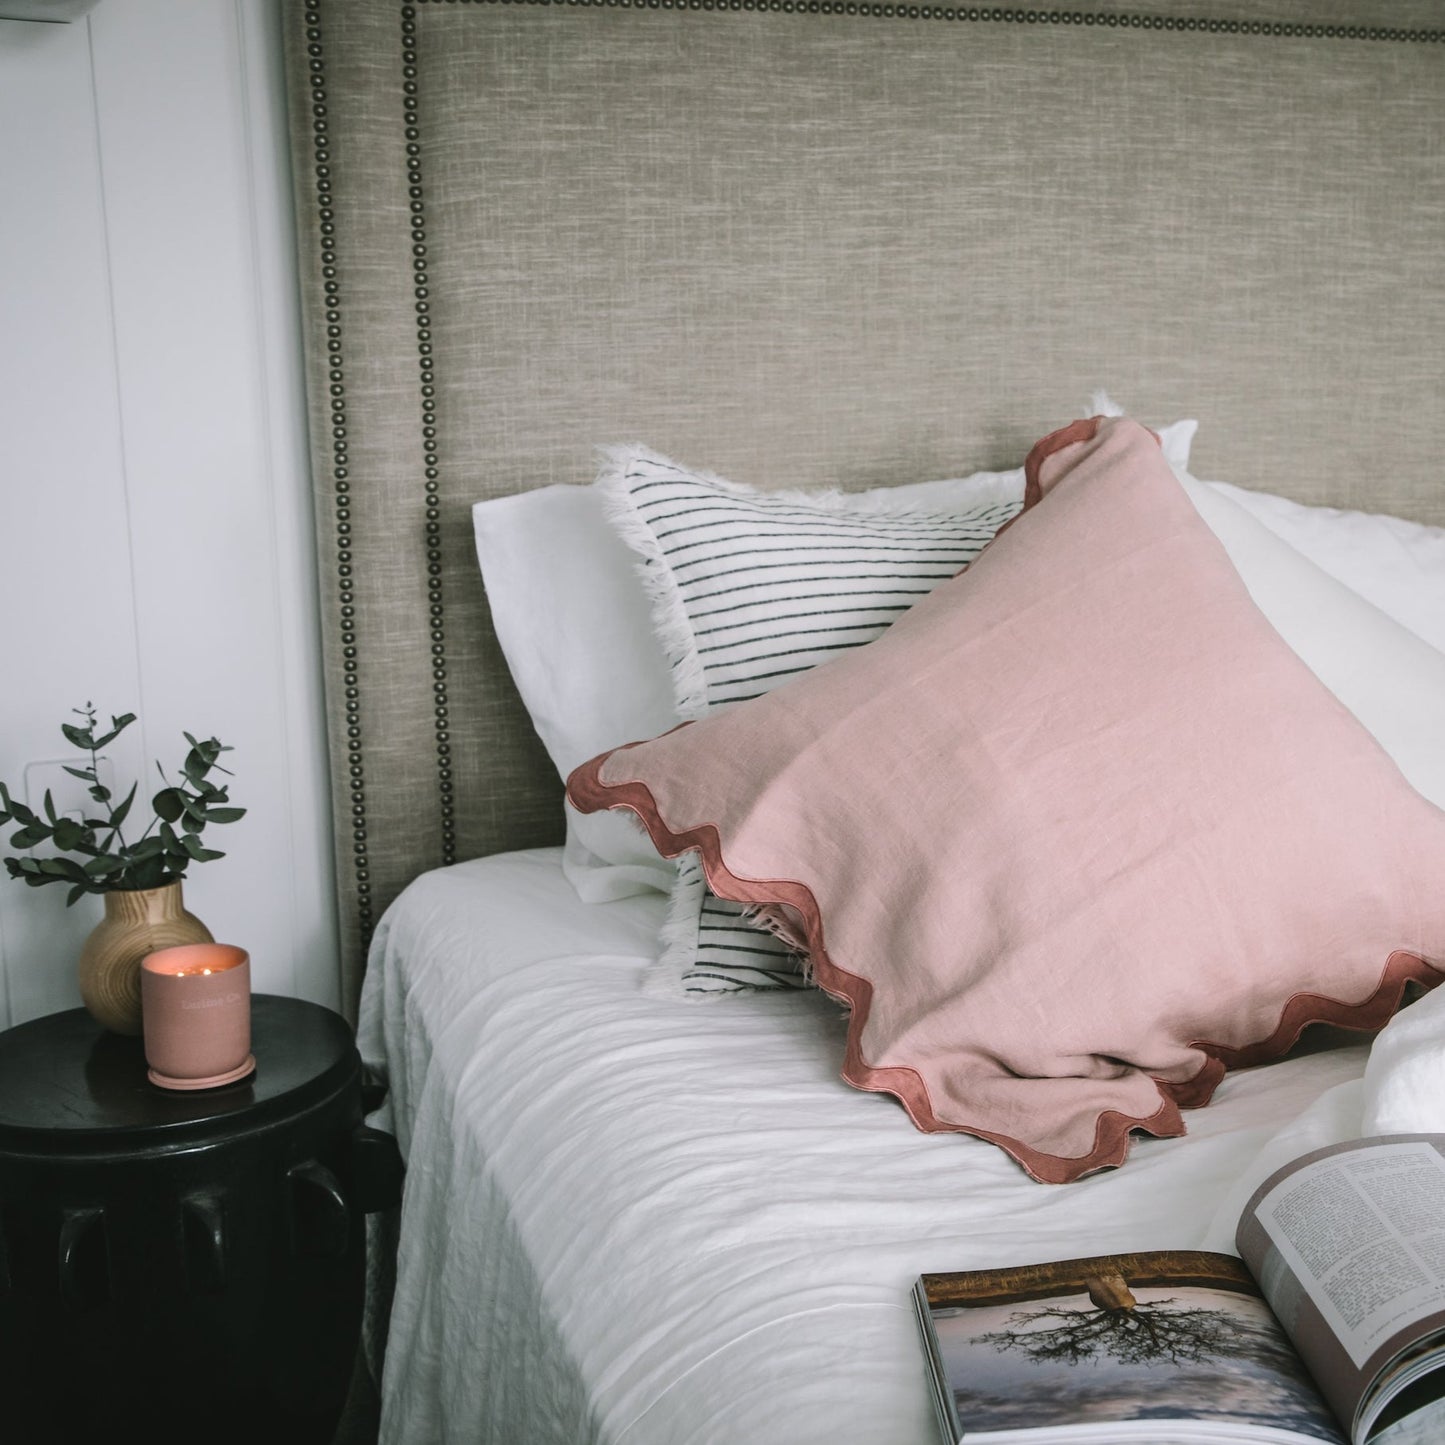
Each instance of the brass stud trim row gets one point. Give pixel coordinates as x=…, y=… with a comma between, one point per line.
x=431, y=471
x=1005, y=16
x=340, y=471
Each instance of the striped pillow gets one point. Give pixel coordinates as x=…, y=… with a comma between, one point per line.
x=750, y=588
x=710, y=947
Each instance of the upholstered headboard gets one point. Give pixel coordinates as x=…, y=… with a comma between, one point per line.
x=831, y=242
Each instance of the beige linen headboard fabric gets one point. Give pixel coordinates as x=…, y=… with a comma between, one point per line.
x=808, y=243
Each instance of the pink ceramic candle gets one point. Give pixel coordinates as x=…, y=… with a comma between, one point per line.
x=196, y=1015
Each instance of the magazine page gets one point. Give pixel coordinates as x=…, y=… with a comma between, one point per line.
x=1166, y=1345
x=1348, y=1245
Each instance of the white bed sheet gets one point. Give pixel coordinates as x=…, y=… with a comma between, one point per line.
x=629, y=1219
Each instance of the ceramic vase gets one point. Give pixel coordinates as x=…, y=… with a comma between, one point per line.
x=137, y=922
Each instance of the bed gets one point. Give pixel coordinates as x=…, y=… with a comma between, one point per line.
x=798, y=245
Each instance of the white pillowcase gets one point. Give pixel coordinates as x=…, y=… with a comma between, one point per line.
x=1389, y=678
x=1396, y=564
x=577, y=635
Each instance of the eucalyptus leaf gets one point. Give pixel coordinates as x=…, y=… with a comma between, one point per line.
x=122, y=809
x=69, y=834
x=62, y=868
x=81, y=737
x=117, y=726
x=152, y=873
x=20, y=812
x=225, y=815
x=86, y=775
x=76, y=894
x=169, y=804
x=29, y=836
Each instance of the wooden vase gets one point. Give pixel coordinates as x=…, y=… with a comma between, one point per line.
x=137, y=922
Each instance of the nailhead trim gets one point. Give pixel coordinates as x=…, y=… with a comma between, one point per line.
x=340, y=473
x=430, y=469
x=1006, y=16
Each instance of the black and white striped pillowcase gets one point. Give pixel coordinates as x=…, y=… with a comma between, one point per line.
x=710, y=947
x=750, y=588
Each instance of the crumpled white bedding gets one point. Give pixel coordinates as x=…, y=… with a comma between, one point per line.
x=645, y=1222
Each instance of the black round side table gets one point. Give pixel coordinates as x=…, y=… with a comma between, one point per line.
x=183, y=1266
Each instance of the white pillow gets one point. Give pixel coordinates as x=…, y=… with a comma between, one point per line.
x=1396, y=564
x=1390, y=679
x=574, y=627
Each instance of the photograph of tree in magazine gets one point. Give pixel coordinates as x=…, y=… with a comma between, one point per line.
x=1107, y=1348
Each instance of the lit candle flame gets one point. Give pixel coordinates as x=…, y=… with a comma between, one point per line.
x=197, y=960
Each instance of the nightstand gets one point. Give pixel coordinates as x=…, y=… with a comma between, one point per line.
x=183, y=1265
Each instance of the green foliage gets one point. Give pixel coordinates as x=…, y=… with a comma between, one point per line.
x=170, y=843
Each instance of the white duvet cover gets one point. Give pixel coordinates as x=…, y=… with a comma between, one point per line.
x=645, y=1222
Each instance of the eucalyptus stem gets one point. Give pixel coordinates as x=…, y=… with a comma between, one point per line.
x=170, y=843
x=115, y=834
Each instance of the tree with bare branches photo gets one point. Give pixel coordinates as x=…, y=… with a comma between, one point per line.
x=1118, y=1326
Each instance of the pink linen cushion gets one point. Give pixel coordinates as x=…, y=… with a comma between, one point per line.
x=1072, y=838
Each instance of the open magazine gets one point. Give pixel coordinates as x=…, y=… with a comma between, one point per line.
x=1330, y=1327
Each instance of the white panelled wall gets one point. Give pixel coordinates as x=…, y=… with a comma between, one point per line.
x=155, y=526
